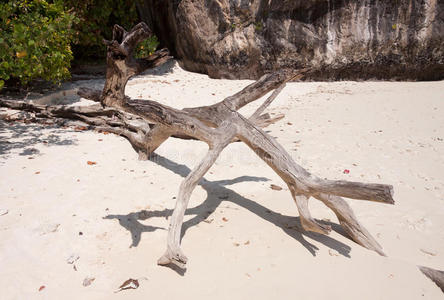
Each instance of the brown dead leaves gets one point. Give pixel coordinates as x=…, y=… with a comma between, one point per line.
x=80, y=128
x=129, y=284
x=275, y=187
x=88, y=280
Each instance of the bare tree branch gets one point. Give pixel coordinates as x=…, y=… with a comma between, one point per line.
x=147, y=124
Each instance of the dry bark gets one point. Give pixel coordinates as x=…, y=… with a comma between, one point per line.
x=147, y=124
x=435, y=275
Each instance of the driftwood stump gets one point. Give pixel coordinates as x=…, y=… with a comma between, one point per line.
x=147, y=124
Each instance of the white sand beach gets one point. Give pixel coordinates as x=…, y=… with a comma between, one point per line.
x=63, y=220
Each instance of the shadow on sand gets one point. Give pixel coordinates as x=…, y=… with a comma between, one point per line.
x=15, y=135
x=217, y=192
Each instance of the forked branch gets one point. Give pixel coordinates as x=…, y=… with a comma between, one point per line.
x=217, y=125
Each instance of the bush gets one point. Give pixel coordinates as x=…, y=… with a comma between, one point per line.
x=146, y=47
x=97, y=18
x=35, y=40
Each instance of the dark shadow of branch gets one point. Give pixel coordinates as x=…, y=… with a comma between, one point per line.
x=216, y=194
x=14, y=135
x=131, y=223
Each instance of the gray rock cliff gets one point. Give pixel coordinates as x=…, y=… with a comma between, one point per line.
x=336, y=39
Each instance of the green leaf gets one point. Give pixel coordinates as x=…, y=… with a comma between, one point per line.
x=35, y=40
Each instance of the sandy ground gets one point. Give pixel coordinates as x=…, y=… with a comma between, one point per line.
x=62, y=220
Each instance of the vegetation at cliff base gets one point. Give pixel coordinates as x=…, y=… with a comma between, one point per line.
x=35, y=38
x=39, y=39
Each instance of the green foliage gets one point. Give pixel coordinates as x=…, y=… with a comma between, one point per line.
x=147, y=47
x=38, y=38
x=35, y=38
x=97, y=18
x=258, y=26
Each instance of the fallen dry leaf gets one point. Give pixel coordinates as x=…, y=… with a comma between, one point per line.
x=224, y=219
x=88, y=280
x=346, y=171
x=38, y=172
x=41, y=288
x=91, y=163
x=247, y=243
x=236, y=244
x=128, y=284
x=105, y=132
x=275, y=187
x=80, y=128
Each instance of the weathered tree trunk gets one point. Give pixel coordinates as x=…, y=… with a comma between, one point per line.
x=147, y=124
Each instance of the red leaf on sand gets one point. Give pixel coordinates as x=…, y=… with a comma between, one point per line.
x=128, y=284
x=80, y=128
x=224, y=219
x=346, y=171
x=91, y=163
x=42, y=288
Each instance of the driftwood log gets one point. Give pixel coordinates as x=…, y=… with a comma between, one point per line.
x=147, y=124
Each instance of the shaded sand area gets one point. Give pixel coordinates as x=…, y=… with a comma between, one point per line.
x=63, y=220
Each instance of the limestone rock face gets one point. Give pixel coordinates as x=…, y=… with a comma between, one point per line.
x=337, y=39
